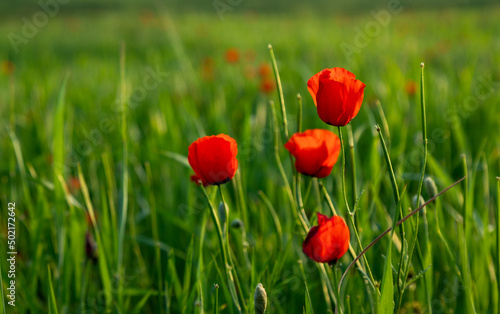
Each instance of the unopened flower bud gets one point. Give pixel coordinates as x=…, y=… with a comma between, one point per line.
x=414, y=201
x=237, y=223
x=223, y=212
x=260, y=299
x=430, y=187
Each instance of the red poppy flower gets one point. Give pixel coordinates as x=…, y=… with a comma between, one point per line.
x=337, y=95
x=315, y=151
x=411, y=88
x=265, y=70
x=328, y=241
x=213, y=158
x=267, y=85
x=232, y=55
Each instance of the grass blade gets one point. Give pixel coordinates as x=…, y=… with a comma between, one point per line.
x=386, y=304
x=125, y=175
x=52, y=296
x=390, y=229
x=103, y=264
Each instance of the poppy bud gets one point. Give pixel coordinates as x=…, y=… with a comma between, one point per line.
x=265, y=70
x=213, y=159
x=337, y=95
x=328, y=241
x=260, y=299
x=414, y=201
x=430, y=186
x=237, y=223
x=315, y=151
x=90, y=247
x=232, y=55
x=223, y=212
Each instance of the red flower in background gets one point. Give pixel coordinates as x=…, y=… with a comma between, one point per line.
x=265, y=70
x=337, y=95
x=267, y=85
x=213, y=159
x=315, y=151
x=411, y=88
x=232, y=55
x=328, y=241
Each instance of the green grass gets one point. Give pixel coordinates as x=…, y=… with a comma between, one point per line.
x=62, y=104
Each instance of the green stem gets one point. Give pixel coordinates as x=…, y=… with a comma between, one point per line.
x=225, y=224
x=466, y=198
x=216, y=305
x=350, y=140
x=125, y=176
x=295, y=214
x=299, y=116
x=328, y=199
x=228, y=250
x=419, y=191
x=299, y=200
x=280, y=89
x=343, y=171
x=215, y=218
x=351, y=249
x=397, y=201
x=389, y=166
x=384, y=120
x=156, y=238
x=336, y=290
x=317, y=194
x=356, y=260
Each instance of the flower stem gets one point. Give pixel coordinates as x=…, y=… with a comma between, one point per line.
x=397, y=201
x=295, y=211
x=280, y=89
x=351, y=249
x=390, y=229
x=350, y=140
x=343, y=171
x=230, y=278
x=389, y=166
x=351, y=214
x=299, y=200
x=419, y=191
x=299, y=116
x=228, y=250
x=338, y=308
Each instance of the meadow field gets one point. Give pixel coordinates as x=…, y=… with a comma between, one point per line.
x=99, y=106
